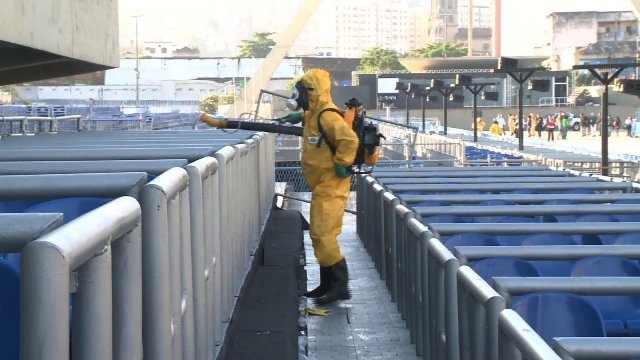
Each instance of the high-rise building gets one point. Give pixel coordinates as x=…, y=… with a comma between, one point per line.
x=449, y=23
x=443, y=21
x=348, y=29
x=417, y=27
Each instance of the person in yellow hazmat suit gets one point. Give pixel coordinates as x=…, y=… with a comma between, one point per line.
x=328, y=174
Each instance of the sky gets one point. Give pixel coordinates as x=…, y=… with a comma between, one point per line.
x=206, y=23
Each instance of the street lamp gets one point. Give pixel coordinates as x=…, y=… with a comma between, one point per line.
x=402, y=87
x=520, y=75
x=423, y=92
x=136, y=17
x=606, y=74
x=475, y=89
x=446, y=92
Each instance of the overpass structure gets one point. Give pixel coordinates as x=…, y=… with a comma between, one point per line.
x=41, y=39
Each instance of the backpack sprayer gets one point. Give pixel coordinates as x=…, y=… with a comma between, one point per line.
x=354, y=115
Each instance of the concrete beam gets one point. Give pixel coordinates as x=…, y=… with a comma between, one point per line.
x=42, y=39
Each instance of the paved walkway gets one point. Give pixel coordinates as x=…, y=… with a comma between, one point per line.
x=369, y=325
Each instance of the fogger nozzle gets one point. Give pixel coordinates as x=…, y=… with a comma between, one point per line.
x=212, y=121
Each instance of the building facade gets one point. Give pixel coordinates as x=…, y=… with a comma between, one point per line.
x=592, y=38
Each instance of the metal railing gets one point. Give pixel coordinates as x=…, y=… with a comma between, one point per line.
x=450, y=311
x=103, y=247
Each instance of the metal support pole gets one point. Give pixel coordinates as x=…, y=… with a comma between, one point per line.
x=444, y=108
x=422, y=98
x=604, y=127
x=406, y=104
x=520, y=113
x=475, y=116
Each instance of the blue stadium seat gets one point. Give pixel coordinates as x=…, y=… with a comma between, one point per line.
x=553, y=314
x=470, y=239
x=503, y=266
x=621, y=314
x=443, y=219
x=551, y=268
x=496, y=202
x=627, y=239
x=70, y=207
x=9, y=311
x=514, y=240
x=559, y=218
x=16, y=206
x=627, y=201
x=596, y=239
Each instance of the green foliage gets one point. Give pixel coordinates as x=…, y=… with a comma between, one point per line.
x=258, y=47
x=377, y=58
x=210, y=103
x=439, y=50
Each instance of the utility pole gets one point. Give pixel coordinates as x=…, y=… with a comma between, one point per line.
x=470, y=30
x=136, y=17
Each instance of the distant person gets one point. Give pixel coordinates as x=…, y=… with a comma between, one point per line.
x=496, y=129
x=593, y=121
x=530, y=124
x=539, y=124
x=616, y=125
x=551, y=127
x=480, y=124
x=502, y=122
x=564, y=125
x=584, y=125
x=628, y=124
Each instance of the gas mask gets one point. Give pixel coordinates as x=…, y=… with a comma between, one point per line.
x=299, y=98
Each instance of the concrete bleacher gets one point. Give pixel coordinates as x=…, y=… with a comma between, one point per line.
x=440, y=249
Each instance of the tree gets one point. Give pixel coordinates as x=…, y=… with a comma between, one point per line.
x=377, y=58
x=210, y=103
x=439, y=50
x=258, y=47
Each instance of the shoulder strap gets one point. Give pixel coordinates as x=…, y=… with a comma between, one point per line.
x=323, y=135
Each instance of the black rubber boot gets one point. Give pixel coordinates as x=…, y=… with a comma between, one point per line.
x=339, y=285
x=323, y=288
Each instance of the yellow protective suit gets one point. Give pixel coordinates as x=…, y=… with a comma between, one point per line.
x=329, y=193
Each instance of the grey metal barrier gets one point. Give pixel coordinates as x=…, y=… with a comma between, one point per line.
x=155, y=167
x=478, y=309
x=508, y=287
x=556, y=252
x=167, y=283
x=205, y=248
x=521, y=198
x=577, y=180
x=103, y=248
x=20, y=229
x=529, y=210
x=584, y=348
x=51, y=186
x=443, y=300
x=402, y=215
x=597, y=186
x=454, y=173
x=381, y=170
x=389, y=203
x=517, y=338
